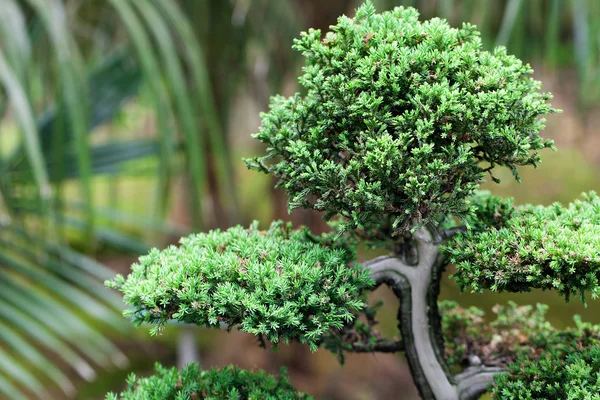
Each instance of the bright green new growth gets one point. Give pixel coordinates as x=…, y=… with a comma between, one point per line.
x=228, y=383
x=400, y=120
x=527, y=247
x=279, y=284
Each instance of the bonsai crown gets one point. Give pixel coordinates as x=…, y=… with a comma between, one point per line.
x=400, y=121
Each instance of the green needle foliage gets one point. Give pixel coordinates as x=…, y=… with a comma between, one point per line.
x=277, y=284
x=398, y=124
x=559, y=374
x=527, y=247
x=400, y=120
x=228, y=383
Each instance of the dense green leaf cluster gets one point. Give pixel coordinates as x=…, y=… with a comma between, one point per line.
x=553, y=247
x=228, y=383
x=488, y=211
x=278, y=284
x=400, y=120
x=572, y=374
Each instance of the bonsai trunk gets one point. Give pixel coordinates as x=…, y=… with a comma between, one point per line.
x=417, y=287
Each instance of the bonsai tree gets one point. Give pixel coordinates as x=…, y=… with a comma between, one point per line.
x=398, y=124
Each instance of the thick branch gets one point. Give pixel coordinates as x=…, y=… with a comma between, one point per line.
x=475, y=381
x=386, y=268
x=449, y=233
x=435, y=319
x=417, y=287
x=412, y=285
x=428, y=353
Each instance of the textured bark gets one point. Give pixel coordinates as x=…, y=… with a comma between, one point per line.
x=474, y=381
x=417, y=286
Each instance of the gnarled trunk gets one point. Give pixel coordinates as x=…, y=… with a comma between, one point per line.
x=417, y=287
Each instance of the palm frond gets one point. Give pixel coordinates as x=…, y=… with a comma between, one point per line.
x=52, y=300
x=58, y=92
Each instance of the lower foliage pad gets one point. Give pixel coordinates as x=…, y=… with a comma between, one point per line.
x=279, y=284
x=228, y=383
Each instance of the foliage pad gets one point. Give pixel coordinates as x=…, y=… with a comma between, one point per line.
x=400, y=121
x=526, y=247
x=559, y=374
x=229, y=383
x=280, y=283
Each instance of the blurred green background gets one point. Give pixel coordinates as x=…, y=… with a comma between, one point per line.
x=122, y=126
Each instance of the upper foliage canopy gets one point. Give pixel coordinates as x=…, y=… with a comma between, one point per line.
x=229, y=383
x=280, y=283
x=520, y=248
x=400, y=120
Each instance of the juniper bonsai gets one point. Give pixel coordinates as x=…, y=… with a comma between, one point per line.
x=398, y=124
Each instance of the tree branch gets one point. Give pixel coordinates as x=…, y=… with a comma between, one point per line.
x=417, y=287
x=475, y=381
x=385, y=268
x=382, y=346
x=412, y=285
x=449, y=233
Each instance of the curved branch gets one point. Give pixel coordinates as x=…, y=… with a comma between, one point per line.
x=417, y=287
x=412, y=285
x=435, y=319
x=475, y=381
x=387, y=268
x=428, y=355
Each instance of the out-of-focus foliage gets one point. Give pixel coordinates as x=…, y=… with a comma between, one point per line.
x=554, y=247
x=68, y=69
x=516, y=330
x=229, y=383
x=515, y=333
x=53, y=309
x=276, y=284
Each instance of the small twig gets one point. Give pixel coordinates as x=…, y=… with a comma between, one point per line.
x=449, y=233
x=261, y=341
x=381, y=346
